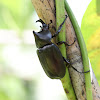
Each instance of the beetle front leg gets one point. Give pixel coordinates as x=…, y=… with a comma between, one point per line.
x=40, y=20
x=60, y=27
x=73, y=67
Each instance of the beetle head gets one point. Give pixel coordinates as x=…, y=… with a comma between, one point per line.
x=44, y=36
x=44, y=26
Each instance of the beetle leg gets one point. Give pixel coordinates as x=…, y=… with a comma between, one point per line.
x=67, y=61
x=61, y=42
x=60, y=27
x=40, y=20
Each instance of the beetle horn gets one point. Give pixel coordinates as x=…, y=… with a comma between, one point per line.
x=35, y=33
x=40, y=20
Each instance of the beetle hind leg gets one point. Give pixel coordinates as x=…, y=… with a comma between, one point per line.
x=67, y=62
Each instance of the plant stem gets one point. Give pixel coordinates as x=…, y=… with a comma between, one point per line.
x=60, y=16
x=83, y=51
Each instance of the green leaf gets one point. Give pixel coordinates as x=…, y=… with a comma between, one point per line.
x=15, y=14
x=91, y=32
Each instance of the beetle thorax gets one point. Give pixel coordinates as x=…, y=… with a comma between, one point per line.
x=43, y=38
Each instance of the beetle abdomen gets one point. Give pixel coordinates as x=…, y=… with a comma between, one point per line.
x=52, y=61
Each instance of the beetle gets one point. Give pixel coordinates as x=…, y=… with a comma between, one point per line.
x=48, y=53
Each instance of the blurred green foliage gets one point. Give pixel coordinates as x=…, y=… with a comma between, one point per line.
x=11, y=88
x=14, y=88
x=91, y=32
x=15, y=14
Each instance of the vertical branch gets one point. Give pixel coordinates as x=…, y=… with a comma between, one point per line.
x=60, y=16
x=83, y=52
